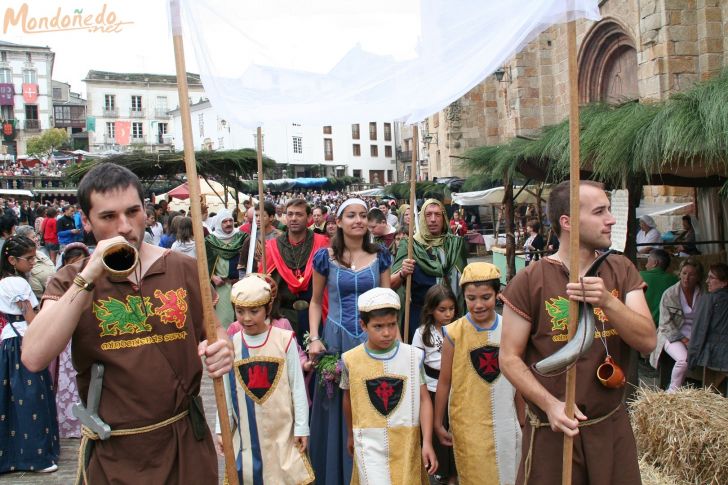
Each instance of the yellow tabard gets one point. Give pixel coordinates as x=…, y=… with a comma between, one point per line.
x=385, y=405
x=262, y=377
x=486, y=434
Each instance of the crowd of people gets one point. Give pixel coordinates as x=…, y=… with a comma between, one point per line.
x=324, y=380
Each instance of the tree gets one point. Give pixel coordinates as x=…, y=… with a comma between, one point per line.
x=44, y=145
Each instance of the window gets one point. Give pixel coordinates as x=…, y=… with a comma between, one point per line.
x=357, y=149
x=374, y=150
x=6, y=76
x=355, y=131
x=328, y=149
x=327, y=130
x=201, y=122
x=3, y=56
x=7, y=113
x=390, y=175
x=30, y=76
x=388, y=151
x=136, y=130
x=221, y=143
x=57, y=93
x=162, y=129
x=136, y=103
x=373, y=130
x=387, y=131
x=297, y=144
x=357, y=173
x=110, y=130
x=31, y=112
x=109, y=102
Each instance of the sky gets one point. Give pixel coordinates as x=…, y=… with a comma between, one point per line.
x=141, y=42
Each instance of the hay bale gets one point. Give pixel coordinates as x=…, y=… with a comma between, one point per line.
x=653, y=476
x=683, y=434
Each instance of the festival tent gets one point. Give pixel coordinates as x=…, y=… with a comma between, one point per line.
x=495, y=196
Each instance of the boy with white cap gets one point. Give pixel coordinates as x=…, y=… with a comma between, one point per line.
x=386, y=403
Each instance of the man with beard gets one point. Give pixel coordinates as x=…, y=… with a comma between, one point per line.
x=223, y=252
x=439, y=258
x=289, y=260
x=147, y=330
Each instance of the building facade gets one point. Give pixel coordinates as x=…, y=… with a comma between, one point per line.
x=365, y=149
x=640, y=50
x=26, y=107
x=131, y=110
x=69, y=113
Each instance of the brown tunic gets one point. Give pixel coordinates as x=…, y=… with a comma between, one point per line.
x=604, y=453
x=151, y=368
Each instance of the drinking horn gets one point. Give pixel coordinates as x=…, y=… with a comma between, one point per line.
x=582, y=339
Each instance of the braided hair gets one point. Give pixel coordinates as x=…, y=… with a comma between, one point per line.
x=14, y=246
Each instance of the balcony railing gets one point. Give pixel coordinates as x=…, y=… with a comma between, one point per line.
x=136, y=113
x=110, y=112
x=138, y=141
x=404, y=156
x=32, y=124
x=161, y=113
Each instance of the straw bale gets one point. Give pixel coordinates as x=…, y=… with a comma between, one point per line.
x=653, y=476
x=683, y=434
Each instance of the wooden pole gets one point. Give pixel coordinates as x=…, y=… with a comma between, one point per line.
x=261, y=199
x=574, y=236
x=410, y=239
x=196, y=213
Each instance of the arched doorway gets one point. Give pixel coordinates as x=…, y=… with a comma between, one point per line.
x=608, y=65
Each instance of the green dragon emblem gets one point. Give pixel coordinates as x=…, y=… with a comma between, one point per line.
x=118, y=318
x=558, y=310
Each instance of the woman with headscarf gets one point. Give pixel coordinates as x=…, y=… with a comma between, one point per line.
x=648, y=233
x=223, y=252
x=439, y=258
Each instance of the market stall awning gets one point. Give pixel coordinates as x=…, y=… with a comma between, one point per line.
x=16, y=192
x=495, y=196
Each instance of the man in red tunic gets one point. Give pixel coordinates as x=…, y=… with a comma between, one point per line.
x=289, y=259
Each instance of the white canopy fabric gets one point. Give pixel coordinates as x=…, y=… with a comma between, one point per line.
x=495, y=196
x=339, y=61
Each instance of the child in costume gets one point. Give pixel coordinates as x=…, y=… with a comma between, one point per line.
x=385, y=400
x=484, y=430
x=28, y=425
x=266, y=393
x=438, y=311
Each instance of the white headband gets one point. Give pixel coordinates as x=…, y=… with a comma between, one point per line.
x=349, y=202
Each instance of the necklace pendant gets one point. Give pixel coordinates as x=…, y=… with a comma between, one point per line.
x=353, y=266
x=300, y=279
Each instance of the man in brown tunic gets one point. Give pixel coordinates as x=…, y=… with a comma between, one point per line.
x=147, y=330
x=535, y=321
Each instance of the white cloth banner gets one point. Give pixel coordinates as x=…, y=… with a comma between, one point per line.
x=335, y=61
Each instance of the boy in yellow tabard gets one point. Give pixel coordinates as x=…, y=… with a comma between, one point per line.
x=483, y=426
x=386, y=401
x=268, y=403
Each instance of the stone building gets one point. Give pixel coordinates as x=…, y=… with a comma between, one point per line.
x=640, y=49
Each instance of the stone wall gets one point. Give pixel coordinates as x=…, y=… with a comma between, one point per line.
x=677, y=43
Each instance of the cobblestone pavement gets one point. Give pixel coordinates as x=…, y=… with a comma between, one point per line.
x=66, y=474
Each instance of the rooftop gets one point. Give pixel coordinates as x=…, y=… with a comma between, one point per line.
x=136, y=77
x=5, y=44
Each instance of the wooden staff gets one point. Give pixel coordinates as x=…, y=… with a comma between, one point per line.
x=573, y=237
x=196, y=213
x=261, y=199
x=410, y=249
